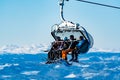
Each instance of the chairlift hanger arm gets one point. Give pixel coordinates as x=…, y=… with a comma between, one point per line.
x=115, y=7
x=61, y=9
x=61, y=3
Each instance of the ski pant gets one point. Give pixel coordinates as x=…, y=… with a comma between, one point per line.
x=65, y=52
x=74, y=55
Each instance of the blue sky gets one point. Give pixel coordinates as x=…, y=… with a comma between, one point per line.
x=25, y=22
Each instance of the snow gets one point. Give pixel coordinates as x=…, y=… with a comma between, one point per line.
x=91, y=66
x=6, y=76
x=89, y=75
x=30, y=72
x=28, y=63
x=27, y=49
x=16, y=64
x=5, y=65
x=70, y=76
x=57, y=66
x=117, y=50
x=37, y=48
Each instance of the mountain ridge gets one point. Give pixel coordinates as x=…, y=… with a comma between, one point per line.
x=37, y=48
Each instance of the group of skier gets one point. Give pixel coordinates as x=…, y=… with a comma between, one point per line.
x=60, y=48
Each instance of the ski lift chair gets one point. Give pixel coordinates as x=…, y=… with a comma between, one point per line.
x=65, y=29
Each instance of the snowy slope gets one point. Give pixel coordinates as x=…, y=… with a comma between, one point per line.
x=92, y=66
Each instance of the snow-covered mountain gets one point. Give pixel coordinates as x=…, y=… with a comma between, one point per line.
x=115, y=50
x=34, y=49
x=28, y=49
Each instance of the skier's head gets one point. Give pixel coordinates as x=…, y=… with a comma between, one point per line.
x=81, y=37
x=58, y=38
x=72, y=37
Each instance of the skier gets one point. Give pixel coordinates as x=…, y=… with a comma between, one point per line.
x=73, y=43
x=74, y=53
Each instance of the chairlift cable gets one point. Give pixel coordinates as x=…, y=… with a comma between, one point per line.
x=115, y=7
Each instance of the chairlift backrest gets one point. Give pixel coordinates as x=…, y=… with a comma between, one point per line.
x=64, y=30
